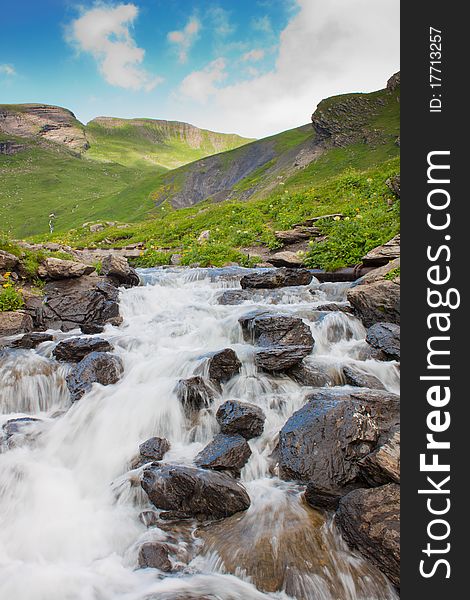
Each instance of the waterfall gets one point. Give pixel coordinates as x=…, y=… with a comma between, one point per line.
x=69, y=493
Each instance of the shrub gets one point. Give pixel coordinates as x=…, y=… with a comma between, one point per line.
x=10, y=298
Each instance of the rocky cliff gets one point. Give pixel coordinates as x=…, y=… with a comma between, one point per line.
x=42, y=121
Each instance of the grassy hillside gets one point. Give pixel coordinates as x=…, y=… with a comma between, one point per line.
x=150, y=143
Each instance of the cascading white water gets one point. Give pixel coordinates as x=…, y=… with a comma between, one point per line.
x=70, y=501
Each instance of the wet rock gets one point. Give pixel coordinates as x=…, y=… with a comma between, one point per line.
x=376, y=302
x=334, y=307
x=369, y=520
x=283, y=341
x=20, y=425
x=194, y=394
x=97, y=367
x=194, y=493
x=382, y=255
x=383, y=465
x=154, y=448
x=324, y=442
x=358, y=378
x=389, y=271
x=223, y=365
x=233, y=297
x=116, y=267
x=275, y=278
x=75, y=349
x=15, y=322
x=149, y=518
x=87, y=302
x=386, y=338
x=286, y=258
x=57, y=268
x=310, y=375
x=154, y=555
x=8, y=261
x=241, y=418
x=226, y=452
x=32, y=340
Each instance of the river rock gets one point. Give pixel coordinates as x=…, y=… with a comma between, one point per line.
x=87, y=303
x=386, y=338
x=286, y=258
x=233, y=297
x=20, y=425
x=195, y=393
x=97, y=367
x=311, y=375
x=359, y=378
x=116, y=267
x=154, y=555
x=376, y=302
x=324, y=442
x=235, y=417
x=225, y=453
x=369, y=520
x=154, y=448
x=15, y=322
x=8, y=261
x=32, y=340
x=275, y=278
x=334, y=307
x=57, y=268
x=383, y=465
x=382, y=255
x=223, y=365
x=75, y=349
x=194, y=493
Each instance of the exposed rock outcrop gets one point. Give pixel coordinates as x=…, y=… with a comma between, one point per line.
x=8, y=261
x=117, y=268
x=57, y=268
x=15, y=322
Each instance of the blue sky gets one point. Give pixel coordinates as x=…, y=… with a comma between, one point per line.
x=253, y=67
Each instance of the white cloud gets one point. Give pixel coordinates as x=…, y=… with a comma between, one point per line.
x=185, y=38
x=327, y=48
x=104, y=32
x=262, y=24
x=8, y=70
x=253, y=55
x=200, y=85
x=221, y=21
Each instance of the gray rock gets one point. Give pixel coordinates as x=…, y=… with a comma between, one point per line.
x=376, y=302
x=57, y=268
x=223, y=365
x=358, y=378
x=382, y=255
x=386, y=338
x=242, y=418
x=286, y=258
x=32, y=340
x=97, y=367
x=116, y=267
x=194, y=493
x=369, y=520
x=15, y=322
x=310, y=375
x=8, y=261
x=75, y=349
x=275, y=278
x=194, y=394
x=225, y=453
x=383, y=465
x=324, y=442
x=154, y=448
x=154, y=555
x=281, y=359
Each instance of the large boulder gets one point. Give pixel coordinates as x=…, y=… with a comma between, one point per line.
x=283, y=341
x=8, y=261
x=369, y=520
x=286, y=258
x=386, y=338
x=383, y=465
x=223, y=365
x=97, y=367
x=275, y=278
x=382, y=255
x=117, y=268
x=376, y=302
x=225, y=453
x=154, y=448
x=241, y=418
x=15, y=322
x=32, y=340
x=359, y=378
x=195, y=394
x=324, y=442
x=75, y=349
x=57, y=268
x=88, y=303
x=188, y=492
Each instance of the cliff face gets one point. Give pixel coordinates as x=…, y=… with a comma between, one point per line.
x=51, y=123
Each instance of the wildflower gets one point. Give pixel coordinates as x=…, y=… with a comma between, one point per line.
x=336, y=218
x=346, y=218
x=7, y=275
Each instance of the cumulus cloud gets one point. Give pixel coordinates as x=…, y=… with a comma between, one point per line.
x=185, y=38
x=327, y=48
x=200, y=85
x=8, y=70
x=253, y=55
x=105, y=32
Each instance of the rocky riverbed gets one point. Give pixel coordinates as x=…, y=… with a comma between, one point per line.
x=202, y=433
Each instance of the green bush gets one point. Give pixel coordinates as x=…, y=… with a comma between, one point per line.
x=10, y=299
x=152, y=258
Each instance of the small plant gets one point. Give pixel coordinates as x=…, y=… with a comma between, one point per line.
x=393, y=274
x=152, y=258
x=98, y=266
x=10, y=297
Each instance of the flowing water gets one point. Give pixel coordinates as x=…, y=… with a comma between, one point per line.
x=70, y=499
